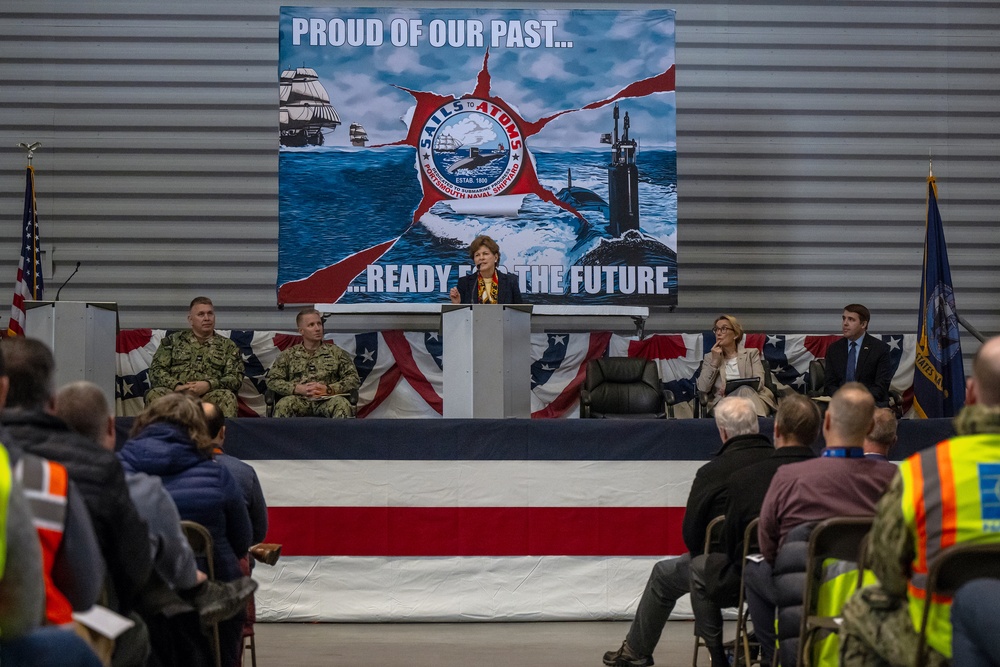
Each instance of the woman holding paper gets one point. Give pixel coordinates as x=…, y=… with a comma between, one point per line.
x=486, y=284
x=728, y=363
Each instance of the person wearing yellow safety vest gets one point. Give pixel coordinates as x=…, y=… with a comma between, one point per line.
x=941, y=496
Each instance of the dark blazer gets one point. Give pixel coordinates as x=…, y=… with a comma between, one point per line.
x=873, y=369
x=709, y=490
x=507, y=288
x=747, y=488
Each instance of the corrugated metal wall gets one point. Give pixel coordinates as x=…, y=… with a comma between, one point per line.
x=804, y=130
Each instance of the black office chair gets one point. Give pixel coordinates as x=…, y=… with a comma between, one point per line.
x=624, y=388
x=817, y=389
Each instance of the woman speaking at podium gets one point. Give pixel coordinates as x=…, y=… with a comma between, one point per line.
x=486, y=285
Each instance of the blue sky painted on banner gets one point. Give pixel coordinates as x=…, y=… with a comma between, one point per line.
x=610, y=50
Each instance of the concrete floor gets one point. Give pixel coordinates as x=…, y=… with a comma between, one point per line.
x=454, y=644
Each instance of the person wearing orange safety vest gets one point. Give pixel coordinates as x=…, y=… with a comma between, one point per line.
x=942, y=496
x=72, y=565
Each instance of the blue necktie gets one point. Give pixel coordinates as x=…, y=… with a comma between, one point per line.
x=852, y=361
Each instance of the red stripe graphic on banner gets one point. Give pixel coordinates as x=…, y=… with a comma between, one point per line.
x=400, y=348
x=571, y=394
x=477, y=531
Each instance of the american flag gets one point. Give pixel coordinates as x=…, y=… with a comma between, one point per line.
x=29, y=269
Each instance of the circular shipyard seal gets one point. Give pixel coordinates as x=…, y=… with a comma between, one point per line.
x=471, y=148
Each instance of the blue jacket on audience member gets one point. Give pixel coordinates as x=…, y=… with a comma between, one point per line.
x=202, y=489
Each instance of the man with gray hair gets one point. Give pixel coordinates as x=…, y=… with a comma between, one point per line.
x=882, y=437
x=742, y=445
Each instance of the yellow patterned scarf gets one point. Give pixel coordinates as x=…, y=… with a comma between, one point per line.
x=487, y=295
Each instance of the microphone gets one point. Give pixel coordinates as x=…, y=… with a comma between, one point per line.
x=67, y=280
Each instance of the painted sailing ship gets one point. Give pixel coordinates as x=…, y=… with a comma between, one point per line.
x=446, y=144
x=358, y=135
x=305, y=110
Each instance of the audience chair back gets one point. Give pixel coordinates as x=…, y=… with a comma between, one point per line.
x=713, y=539
x=956, y=565
x=623, y=387
x=201, y=544
x=838, y=538
x=742, y=647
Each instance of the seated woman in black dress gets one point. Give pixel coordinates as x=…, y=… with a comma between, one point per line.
x=487, y=285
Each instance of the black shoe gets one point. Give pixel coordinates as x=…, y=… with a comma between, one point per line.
x=216, y=601
x=624, y=657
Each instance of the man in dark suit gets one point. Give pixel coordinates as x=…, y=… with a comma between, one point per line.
x=858, y=357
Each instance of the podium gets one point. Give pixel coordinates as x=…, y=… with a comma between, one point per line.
x=81, y=336
x=487, y=361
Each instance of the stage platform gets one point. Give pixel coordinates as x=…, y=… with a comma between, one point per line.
x=445, y=520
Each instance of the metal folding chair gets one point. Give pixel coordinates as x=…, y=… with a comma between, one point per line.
x=953, y=567
x=713, y=535
x=201, y=544
x=742, y=645
x=840, y=538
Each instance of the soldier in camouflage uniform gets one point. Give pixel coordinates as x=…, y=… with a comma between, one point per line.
x=198, y=362
x=312, y=377
x=878, y=627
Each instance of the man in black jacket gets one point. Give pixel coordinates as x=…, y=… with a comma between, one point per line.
x=715, y=577
x=858, y=357
x=96, y=472
x=743, y=445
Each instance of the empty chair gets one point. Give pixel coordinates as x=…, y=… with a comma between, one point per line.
x=624, y=387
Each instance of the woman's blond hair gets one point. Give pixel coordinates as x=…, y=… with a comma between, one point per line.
x=734, y=323
x=180, y=410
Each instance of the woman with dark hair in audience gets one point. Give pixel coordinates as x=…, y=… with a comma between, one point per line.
x=727, y=361
x=486, y=284
x=170, y=439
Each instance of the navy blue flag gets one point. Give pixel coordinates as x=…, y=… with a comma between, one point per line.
x=29, y=269
x=939, y=378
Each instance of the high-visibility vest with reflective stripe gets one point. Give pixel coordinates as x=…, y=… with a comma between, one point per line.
x=950, y=496
x=838, y=583
x=45, y=486
x=5, y=480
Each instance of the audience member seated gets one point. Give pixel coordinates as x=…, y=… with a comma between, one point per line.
x=883, y=436
x=717, y=575
x=121, y=533
x=22, y=589
x=243, y=473
x=169, y=439
x=670, y=579
x=843, y=482
x=198, y=362
x=84, y=408
x=727, y=361
x=941, y=496
x=312, y=378
x=858, y=357
x=975, y=624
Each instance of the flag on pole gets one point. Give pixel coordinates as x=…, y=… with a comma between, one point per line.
x=29, y=284
x=939, y=380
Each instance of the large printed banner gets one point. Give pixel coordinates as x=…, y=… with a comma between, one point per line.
x=406, y=133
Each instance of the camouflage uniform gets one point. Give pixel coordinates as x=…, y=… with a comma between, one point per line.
x=877, y=629
x=182, y=358
x=329, y=365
